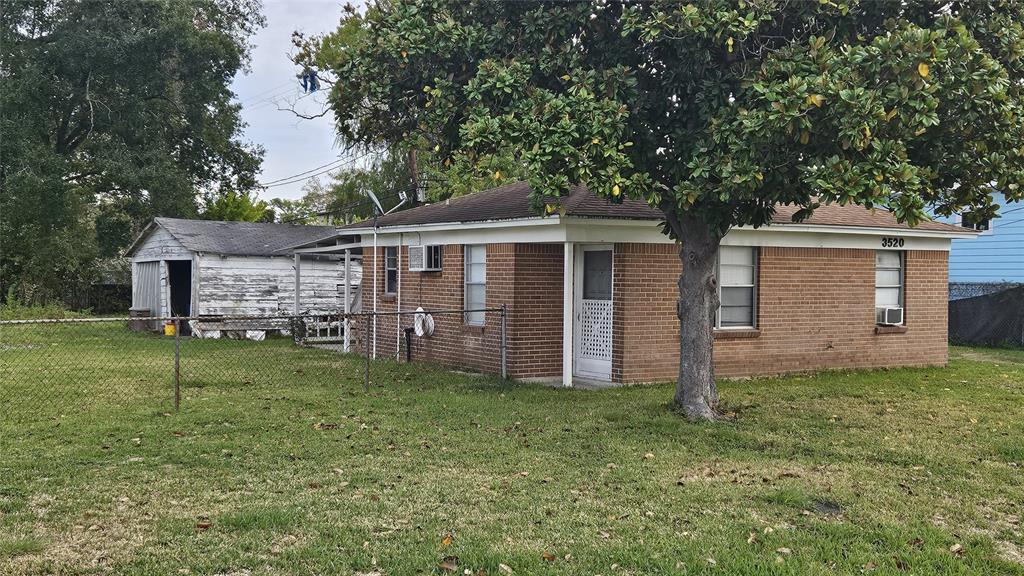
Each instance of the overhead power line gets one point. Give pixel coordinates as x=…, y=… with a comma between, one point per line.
x=262, y=94
x=322, y=169
x=351, y=206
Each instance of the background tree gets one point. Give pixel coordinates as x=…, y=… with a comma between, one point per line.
x=712, y=112
x=112, y=108
x=343, y=199
x=231, y=205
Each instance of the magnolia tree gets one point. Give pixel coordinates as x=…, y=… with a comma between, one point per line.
x=712, y=112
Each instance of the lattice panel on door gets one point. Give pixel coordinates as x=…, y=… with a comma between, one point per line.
x=596, y=329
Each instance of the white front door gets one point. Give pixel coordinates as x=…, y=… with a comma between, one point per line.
x=593, y=303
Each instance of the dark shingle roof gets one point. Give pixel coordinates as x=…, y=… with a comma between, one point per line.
x=511, y=202
x=238, y=238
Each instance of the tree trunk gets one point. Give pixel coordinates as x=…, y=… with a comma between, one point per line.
x=696, y=394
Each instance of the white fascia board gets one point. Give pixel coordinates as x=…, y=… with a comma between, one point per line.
x=829, y=239
x=333, y=249
x=863, y=231
x=783, y=235
x=443, y=226
x=531, y=230
x=553, y=229
x=815, y=228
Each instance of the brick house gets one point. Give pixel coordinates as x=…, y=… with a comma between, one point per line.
x=591, y=292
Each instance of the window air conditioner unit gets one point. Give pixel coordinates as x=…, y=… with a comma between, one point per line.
x=891, y=316
x=424, y=258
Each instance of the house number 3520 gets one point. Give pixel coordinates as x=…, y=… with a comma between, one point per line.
x=888, y=242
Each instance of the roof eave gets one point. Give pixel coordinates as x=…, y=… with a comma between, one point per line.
x=778, y=226
x=130, y=250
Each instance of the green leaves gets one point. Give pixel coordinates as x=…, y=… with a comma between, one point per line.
x=116, y=105
x=730, y=109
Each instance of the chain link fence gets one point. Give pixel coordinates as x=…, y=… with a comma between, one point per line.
x=987, y=314
x=50, y=368
x=962, y=290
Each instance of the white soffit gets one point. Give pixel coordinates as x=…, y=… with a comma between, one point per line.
x=593, y=230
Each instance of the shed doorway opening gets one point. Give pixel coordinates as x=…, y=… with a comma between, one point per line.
x=179, y=278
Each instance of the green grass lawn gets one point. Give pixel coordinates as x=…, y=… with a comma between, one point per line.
x=278, y=463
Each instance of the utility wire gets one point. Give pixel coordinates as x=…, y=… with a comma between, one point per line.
x=332, y=162
x=362, y=202
x=333, y=165
x=257, y=96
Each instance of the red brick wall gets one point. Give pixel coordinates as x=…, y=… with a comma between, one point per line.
x=536, y=311
x=527, y=278
x=815, y=311
x=645, y=329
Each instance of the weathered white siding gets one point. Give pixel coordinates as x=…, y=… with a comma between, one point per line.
x=149, y=270
x=238, y=285
x=251, y=285
x=160, y=245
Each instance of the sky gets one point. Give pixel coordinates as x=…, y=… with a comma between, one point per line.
x=293, y=145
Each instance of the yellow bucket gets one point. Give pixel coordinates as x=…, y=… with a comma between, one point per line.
x=169, y=329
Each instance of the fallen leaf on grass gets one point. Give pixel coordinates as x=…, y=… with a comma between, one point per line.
x=957, y=549
x=783, y=550
x=200, y=526
x=504, y=569
x=447, y=540
x=548, y=556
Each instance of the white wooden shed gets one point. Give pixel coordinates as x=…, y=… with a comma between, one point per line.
x=210, y=268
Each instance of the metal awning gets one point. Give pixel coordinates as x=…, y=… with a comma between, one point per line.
x=332, y=249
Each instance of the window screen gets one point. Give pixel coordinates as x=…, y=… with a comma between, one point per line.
x=597, y=274
x=433, y=256
x=888, y=279
x=476, y=283
x=737, y=286
x=390, y=270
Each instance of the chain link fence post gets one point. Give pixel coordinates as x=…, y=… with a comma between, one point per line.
x=366, y=380
x=177, y=363
x=504, y=341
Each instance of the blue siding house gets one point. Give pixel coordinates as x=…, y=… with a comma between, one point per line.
x=996, y=256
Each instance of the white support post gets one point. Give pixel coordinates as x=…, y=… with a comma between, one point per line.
x=374, y=284
x=398, y=301
x=298, y=281
x=568, y=315
x=346, y=306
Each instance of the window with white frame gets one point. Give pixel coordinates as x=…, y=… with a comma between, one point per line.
x=737, y=287
x=391, y=270
x=888, y=279
x=476, y=283
x=432, y=256
x=972, y=222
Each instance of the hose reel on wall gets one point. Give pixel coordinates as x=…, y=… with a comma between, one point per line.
x=423, y=323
